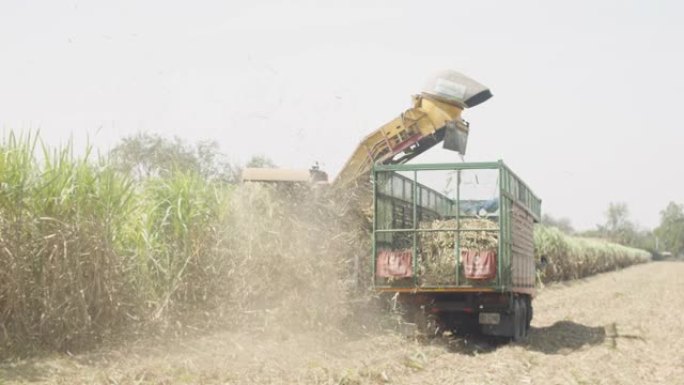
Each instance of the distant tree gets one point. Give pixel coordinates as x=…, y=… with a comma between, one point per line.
x=213, y=163
x=670, y=233
x=618, y=226
x=563, y=224
x=620, y=229
x=617, y=217
x=642, y=239
x=144, y=155
x=260, y=161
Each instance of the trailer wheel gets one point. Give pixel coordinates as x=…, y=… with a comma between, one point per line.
x=519, y=320
x=526, y=316
x=516, y=322
x=530, y=311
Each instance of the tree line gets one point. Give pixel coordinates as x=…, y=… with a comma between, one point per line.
x=667, y=238
x=144, y=155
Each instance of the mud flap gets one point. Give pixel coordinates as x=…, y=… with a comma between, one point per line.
x=455, y=138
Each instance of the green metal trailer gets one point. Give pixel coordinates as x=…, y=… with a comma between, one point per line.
x=455, y=243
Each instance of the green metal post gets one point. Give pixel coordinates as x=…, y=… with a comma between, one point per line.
x=458, y=226
x=503, y=207
x=375, y=221
x=415, y=226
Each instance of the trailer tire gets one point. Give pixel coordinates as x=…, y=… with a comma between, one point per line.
x=518, y=320
x=520, y=316
x=524, y=317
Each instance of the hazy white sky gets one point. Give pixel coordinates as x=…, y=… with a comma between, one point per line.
x=587, y=94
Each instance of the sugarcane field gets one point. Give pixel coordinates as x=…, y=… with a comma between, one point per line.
x=341, y=194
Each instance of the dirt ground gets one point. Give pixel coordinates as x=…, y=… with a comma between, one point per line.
x=624, y=327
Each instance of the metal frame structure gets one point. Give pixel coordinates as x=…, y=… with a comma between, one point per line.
x=512, y=191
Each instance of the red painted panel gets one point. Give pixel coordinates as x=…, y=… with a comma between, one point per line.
x=479, y=264
x=394, y=264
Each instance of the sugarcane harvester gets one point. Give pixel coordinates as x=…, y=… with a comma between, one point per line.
x=452, y=243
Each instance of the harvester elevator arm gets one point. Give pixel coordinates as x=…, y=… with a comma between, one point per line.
x=435, y=117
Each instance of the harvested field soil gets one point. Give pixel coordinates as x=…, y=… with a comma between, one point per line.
x=623, y=327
